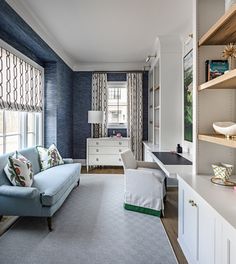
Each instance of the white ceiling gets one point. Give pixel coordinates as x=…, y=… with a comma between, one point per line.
x=86, y=32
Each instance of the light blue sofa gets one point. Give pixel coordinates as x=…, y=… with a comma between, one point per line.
x=48, y=192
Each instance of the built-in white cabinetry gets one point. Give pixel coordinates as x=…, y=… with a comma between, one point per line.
x=204, y=235
x=165, y=94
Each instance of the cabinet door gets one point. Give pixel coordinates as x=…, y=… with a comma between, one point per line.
x=190, y=224
x=206, y=233
x=228, y=244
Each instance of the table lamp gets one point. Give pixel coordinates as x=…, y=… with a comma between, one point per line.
x=95, y=117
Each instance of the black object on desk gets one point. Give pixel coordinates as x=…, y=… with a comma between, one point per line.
x=171, y=158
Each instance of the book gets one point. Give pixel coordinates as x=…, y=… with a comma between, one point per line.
x=215, y=68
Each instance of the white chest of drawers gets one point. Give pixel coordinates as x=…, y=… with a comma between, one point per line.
x=106, y=151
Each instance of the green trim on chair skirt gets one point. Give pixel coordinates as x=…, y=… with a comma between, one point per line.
x=142, y=210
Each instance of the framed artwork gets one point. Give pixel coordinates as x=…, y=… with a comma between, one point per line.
x=188, y=96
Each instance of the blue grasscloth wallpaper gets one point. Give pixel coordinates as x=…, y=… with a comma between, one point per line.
x=58, y=77
x=67, y=93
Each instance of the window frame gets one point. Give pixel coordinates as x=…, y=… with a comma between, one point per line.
x=23, y=130
x=110, y=85
x=39, y=137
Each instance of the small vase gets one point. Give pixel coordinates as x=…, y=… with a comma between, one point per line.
x=232, y=63
x=229, y=3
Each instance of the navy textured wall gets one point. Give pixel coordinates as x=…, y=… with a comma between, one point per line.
x=82, y=84
x=58, y=77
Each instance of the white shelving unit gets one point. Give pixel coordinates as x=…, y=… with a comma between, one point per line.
x=216, y=99
x=165, y=94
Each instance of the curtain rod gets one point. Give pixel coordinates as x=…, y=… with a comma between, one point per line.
x=117, y=71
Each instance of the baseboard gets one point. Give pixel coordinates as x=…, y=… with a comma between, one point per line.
x=82, y=161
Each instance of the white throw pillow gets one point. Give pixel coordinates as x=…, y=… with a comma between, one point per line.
x=49, y=157
x=19, y=170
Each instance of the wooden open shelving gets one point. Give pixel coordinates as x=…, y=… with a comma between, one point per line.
x=218, y=139
x=225, y=81
x=223, y=31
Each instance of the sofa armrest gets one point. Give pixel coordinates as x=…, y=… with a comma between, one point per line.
x=19, y=192
x=68, y=161
x=147, y=164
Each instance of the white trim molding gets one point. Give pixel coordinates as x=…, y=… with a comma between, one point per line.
x=109, y=66
x=26, y=14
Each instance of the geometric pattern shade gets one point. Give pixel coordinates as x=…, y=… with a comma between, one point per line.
x=21, y=87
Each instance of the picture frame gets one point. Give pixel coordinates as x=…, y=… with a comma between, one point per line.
x=188, y=96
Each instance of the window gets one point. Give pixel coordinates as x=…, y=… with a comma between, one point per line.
x=21, y=100
x=117, y=104
x=19, y=130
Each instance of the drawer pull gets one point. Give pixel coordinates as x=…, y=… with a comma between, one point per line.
x=120, y=143
x=120, y=150
x=119, y=159
x=97, y=150
x=194, y=204
x=97, y=159
x=97, y=143
x=191, y=202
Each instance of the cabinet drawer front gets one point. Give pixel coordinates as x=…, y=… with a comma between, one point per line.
x=111, y=143
x=106, y=150
x=105, y=160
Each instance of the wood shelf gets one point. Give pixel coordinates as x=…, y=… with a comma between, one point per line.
x=225, y=81
x=218, y=139
x=223, y=31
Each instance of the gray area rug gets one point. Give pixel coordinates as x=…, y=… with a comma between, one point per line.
x=91, y=228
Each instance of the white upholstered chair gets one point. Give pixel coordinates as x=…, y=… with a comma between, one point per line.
x=144, y=185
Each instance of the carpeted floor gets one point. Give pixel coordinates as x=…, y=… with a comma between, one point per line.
x=91, y=228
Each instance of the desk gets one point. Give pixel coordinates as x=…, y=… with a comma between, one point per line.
x=171, y=171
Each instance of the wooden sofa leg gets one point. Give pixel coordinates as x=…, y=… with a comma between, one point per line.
x=78, y=183
x=49, y=221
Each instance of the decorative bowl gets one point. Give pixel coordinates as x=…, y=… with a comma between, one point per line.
x=226, y=128
x=223, y=171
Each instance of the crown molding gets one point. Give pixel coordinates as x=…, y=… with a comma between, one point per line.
x=109, y=66
x=26, y=14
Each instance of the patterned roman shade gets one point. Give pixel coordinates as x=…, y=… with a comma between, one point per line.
x=21, y=87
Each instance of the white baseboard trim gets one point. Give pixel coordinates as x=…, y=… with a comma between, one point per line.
x=82, y=161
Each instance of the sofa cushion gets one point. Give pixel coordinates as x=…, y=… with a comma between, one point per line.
x=19, y=170
x=49, y=157
x=54, y=182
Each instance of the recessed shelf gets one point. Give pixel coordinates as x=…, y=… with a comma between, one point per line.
x=223, y=31
x=218, y=139
x=225, y=81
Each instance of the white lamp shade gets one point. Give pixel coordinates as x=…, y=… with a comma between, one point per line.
x=95, y=117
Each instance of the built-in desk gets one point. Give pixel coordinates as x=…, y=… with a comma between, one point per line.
x=171, y=170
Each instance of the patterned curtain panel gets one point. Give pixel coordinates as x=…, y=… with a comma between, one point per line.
x=135, y=110
x=99, y=102
x=20, y=84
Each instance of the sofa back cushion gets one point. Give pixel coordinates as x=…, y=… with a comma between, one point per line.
x=30, y=153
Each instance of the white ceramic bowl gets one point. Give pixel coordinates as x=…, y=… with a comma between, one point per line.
x=225, y=128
